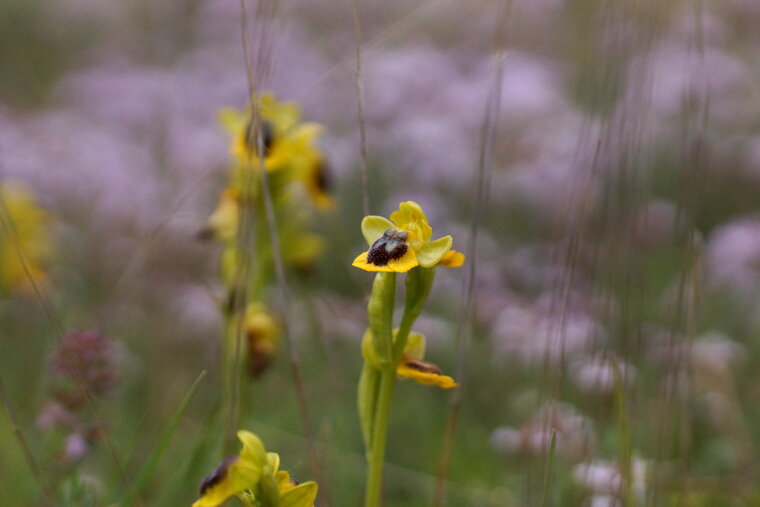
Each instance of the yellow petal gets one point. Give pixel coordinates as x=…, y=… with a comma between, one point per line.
x=431, y=253
x=273, y=461
x=307, y=133
x=223, y=221
x=232, y=119
x=405, y=263
x=284, y=482
x=401, y=265
x=410, y=217
x=373, y=228
x=304, y=250
x=414, y=349
x=452, y=259
x=23, y=252
x=317, y=183
x=230, y=478
x=302, y=495
x=283, y=115
x=253, y=448
x=259, y=325
x=361, y=263
x=426, y=378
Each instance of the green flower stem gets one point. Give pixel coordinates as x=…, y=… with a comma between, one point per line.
x=419, y=281
x=233, y=345
x=380, y=310
x=379, y=433
x=369, y=387
x=229, y=388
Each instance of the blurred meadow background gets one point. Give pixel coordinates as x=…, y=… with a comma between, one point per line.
x=598, y=162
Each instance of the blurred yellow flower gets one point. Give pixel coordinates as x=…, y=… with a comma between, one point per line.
x=262, y=334
x=317, y=183
x=256, y=477
x=288, y=144
x=25, y=239
x=403, y=242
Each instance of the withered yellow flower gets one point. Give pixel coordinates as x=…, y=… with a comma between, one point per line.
x=411, y=364
x=403, y=242
x=262, y=333
x=425, y=373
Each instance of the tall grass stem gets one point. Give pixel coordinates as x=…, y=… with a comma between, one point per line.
x=150, y=465
x=31, y=461
x=464, y=331
x=549, y=469
x=360, y=106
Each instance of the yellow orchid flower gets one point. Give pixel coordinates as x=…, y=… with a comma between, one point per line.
x=27, y=237
x=235, y=473
x=277, y=121
x=303, y=250
x=288, y=144
x=403, y=242
x=317, y=182
x=411, y=364
x=263, y=335
x=255, y=477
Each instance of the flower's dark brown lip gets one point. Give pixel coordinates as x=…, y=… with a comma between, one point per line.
x=422, y=366
x=251, y=135
x=380, y=255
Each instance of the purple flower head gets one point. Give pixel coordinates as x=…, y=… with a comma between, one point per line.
x=88, y=358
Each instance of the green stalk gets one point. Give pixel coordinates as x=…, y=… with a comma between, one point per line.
x=549, y=468
x=419, y=281
x=379, y=433
x=229, y=384
x=369, y=387
x=380, y=310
